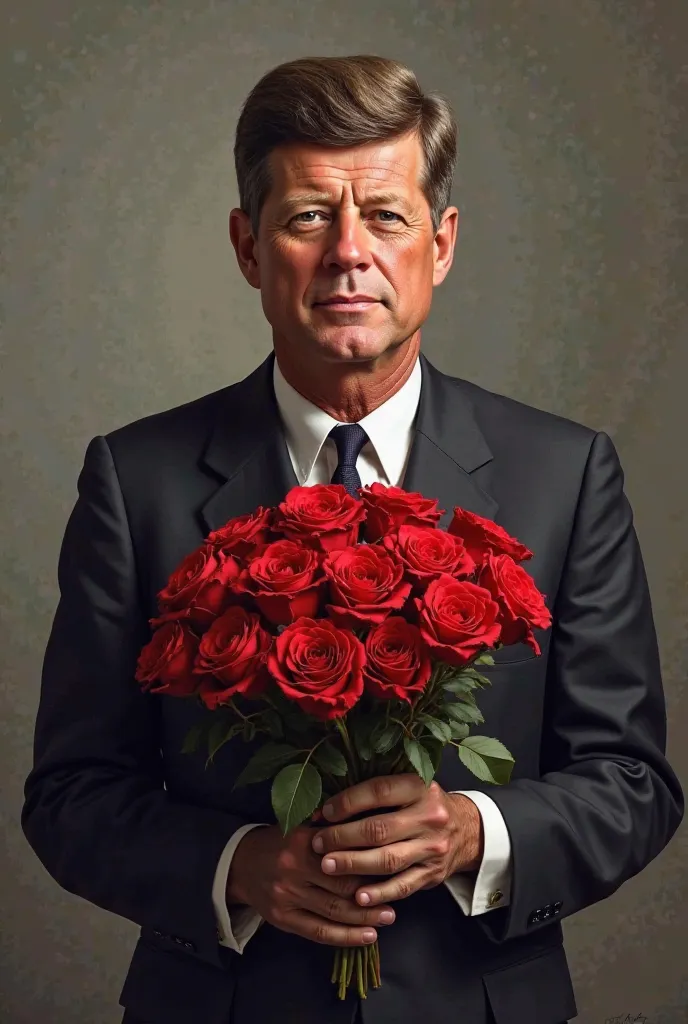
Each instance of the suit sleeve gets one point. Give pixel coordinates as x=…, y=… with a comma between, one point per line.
x=95, y=811
x=607, y=801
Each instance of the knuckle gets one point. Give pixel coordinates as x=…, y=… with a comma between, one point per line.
x=286, y=860
x=277, y=917
x=440, y=847
x=382, y=788
x=332, y=908
x=438, y=816
x=375, y=831
x=404, y=889
x=390, y=862
x=321, y=933
x=348, y=884
x=278, y=892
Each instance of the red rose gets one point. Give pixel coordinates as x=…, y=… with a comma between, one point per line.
x=397, y=662
x=168, y=658
x=324, y=517
x=319, y=667
x=285, y=580
x=426, y=553
x=366, y=585
x=457, y=619
x=243, y=534
x=482, y=535
x=199, y=589
x=231, y=658
x=388, y=508
x=522, y=605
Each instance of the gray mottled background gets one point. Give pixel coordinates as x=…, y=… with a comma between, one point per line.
x=120, y=296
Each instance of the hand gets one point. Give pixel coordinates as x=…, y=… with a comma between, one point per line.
x=281, y=878
x=428, y=836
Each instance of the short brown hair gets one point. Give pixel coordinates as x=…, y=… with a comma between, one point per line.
x=342, y=101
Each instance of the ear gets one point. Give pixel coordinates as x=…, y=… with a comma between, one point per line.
x=245, y=246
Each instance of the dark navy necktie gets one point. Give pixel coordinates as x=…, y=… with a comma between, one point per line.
x=349, y=439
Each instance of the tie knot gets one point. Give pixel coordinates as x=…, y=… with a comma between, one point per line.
x=349, y=439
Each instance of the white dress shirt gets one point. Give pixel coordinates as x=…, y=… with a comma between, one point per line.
x=383, y=458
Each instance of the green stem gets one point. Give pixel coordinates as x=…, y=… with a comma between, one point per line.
x=346, y=740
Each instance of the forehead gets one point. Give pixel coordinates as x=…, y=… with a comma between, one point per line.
x=389, y=164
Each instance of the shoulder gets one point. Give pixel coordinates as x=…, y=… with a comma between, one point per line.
x=183, y=427
x=506, y=419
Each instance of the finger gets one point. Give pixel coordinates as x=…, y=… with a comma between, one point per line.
x=317, y=929
x=383, y=791
x=341, y=885
x=375, y=830
x=386, y=860
x=399, y=887
x=345, y=911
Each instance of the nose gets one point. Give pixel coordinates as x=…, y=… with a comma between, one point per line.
x=348, y=243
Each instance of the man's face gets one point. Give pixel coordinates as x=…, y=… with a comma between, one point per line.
x=345, y=222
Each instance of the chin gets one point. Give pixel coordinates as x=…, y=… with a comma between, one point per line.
x=353, y=345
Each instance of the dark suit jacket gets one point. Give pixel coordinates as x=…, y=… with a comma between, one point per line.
x=118, y=815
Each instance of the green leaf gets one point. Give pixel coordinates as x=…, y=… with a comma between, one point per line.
x=477, y=678
x=361, y=730
x=462, y=712
x=484, y=659
x=434, y=749
x=296, y=792
x=192, y=738
x=439, y=729
x=265, y=762
x=330, y=760
x=459, y=730
x=387, y=738
x=487, y=758
x=460, y=685
x=220, y=732
x=420, y=759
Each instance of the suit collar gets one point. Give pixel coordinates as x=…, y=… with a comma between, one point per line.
x=247, y=449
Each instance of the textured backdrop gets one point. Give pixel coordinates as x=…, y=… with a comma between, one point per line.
x=120, y=296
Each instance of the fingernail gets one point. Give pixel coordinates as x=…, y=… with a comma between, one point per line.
x=318, y=844
x=328, y=810
x=387, y=916
x=329, y=865
x=364, y=898
x=369, y=936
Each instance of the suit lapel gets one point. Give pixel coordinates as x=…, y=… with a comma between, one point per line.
x=448, y=447
x=247, y=451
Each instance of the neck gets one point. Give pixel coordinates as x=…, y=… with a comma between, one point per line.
x=350, y=392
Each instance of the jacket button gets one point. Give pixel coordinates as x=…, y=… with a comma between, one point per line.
x=157, y=934
x=189, y=945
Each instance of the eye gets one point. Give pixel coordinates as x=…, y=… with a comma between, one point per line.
x=319, y=213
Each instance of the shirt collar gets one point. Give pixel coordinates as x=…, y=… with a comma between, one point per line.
x=389, y=427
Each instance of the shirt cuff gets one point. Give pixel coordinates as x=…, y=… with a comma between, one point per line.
x=492, y=886
x=236, y=928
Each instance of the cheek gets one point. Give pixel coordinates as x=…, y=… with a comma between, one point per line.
x=284, y=282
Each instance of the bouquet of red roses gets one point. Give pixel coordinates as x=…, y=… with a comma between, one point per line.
x=347, y=632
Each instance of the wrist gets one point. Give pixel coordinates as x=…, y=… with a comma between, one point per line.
x=470, y=835
x=235, y=891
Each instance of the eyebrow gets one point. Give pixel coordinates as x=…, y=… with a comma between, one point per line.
x=379, y=198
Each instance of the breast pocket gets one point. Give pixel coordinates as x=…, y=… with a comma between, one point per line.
x=537, y=990
x=515, y=654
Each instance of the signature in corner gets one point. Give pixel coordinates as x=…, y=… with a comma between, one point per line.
x=627, y=1018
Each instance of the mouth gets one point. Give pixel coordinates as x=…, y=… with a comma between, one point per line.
x=345, y=306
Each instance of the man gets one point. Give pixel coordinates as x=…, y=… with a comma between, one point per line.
x=345, y=227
